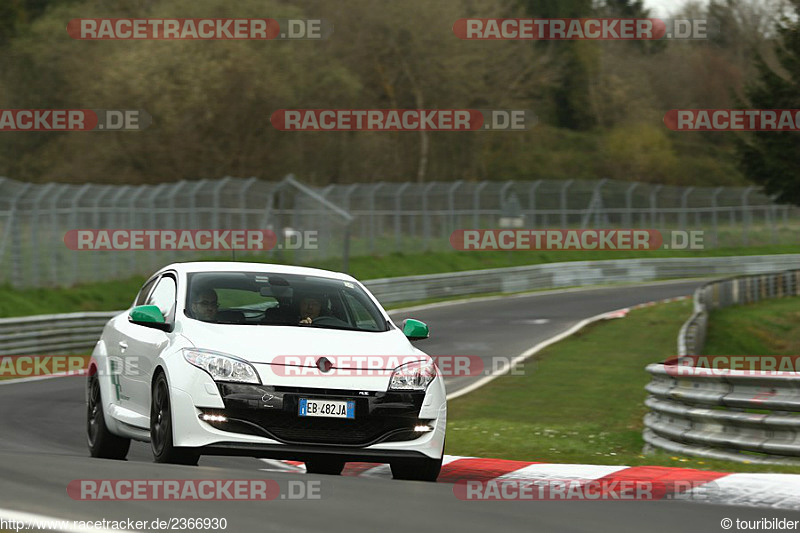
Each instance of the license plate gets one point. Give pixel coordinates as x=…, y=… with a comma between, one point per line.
x=327, y=408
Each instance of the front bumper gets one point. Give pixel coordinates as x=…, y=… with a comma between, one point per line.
x=305, y=453
x=263, y=420
x=271, y=412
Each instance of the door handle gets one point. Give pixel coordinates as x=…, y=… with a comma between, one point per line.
x=123, y=345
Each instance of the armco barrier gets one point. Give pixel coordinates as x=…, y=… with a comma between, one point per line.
x=725, y=414
x=78, y=332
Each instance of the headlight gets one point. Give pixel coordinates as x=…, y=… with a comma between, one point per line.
x=222, y=367
x=413, y=376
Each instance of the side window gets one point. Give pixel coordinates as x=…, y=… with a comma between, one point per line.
x=142, y=297
x=363, y=318
x=163, y=296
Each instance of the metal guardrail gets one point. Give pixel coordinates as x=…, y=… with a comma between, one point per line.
x=52, y=334
x=570, y=274
x=725, y=414
x=78, y=332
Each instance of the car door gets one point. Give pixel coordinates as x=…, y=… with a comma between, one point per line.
x=143, y=345
x=117, y=341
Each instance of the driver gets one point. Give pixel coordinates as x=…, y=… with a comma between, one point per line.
x=205, y=305
x=310, y=308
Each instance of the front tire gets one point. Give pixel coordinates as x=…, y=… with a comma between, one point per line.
x=161, y=443
x=416, y=469
x=331, y=467
x=102, y=443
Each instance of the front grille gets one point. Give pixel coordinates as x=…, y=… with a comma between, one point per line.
x=380, y=417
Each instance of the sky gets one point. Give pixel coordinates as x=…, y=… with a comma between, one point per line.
x=662, y=8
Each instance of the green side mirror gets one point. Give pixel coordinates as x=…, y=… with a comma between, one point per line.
x=149, y=316
x=415, y=330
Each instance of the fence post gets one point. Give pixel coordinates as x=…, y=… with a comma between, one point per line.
x=117, y=216
x=451, y=203
x=629, y=205
x=426, y=227
x=714, y=216
x=476, y=203
x=35, y=232
x=74, y=225
x=684, y=208
x=746, y=215
x=563, y=194
x=398, y=206
x=96, y=222
x=54, y=233
x=215, y=196
x=155, y=256
x=773, y=216
x=532, y=202
x=654, y=204
x=243, y=202
x=595, y=204
x=372, y=194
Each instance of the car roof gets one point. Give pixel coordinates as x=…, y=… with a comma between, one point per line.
x=241, y=266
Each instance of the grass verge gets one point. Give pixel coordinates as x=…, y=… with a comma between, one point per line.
x=581, y=400
x=766, y=328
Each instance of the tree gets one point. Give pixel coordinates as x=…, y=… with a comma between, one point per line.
x=770, y=158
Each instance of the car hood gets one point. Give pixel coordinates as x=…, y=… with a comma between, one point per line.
x=271, y=344
x=287, y=355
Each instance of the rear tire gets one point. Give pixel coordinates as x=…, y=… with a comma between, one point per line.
x=416, y=469
x=161, y=443
x=102, y=443
x=330, y=467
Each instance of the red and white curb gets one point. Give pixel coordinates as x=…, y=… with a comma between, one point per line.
x=777, y=491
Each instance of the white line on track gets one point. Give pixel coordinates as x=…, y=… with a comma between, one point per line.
x=618, y=313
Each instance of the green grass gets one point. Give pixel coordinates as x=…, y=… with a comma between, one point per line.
x=766, y=328
x=111, y=295
x=580, y=400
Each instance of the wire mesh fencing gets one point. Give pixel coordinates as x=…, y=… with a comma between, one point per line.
x=343, y=220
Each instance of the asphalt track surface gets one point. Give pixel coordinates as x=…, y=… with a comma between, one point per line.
x=43, y=448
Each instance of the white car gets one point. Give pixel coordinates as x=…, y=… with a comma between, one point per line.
x=260, y=360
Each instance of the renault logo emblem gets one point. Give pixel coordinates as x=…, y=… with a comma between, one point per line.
x=324, y=364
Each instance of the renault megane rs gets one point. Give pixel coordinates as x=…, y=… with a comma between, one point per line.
x=227, y=358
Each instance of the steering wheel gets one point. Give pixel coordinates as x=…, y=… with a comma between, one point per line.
x=328, y=321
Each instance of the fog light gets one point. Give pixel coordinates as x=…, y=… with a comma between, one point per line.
x=213, y=418
x=422, y=429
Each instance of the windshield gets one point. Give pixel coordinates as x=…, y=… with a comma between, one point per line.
x=265, y=299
